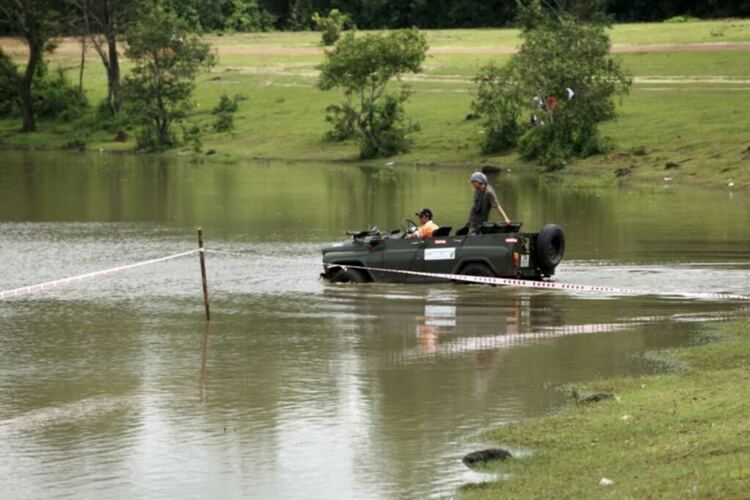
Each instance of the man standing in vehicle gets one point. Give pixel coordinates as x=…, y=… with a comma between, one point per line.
x=427, y=227
x=485, y=200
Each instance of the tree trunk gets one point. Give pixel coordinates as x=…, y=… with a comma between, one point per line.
x=113, y=75
x=24, y=90
x=83, y=64
x=27, y=111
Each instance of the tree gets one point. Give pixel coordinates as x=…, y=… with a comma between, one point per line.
x=362, y=67
x=564, y=76
x=331, y=25
x=104, y=22
x=36, y=21
x=222, y=15
x=167, y=61
x=499, y=101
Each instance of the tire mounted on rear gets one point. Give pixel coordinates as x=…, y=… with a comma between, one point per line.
x=549, y=248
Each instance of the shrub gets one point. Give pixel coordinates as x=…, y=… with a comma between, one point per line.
x=53, y=97
x=224, y=112
x=343, y=120
x=248, y=16
x=681, y=19
x=193, y=137
x=499, y=103
x=104, y=120
x=390, y=128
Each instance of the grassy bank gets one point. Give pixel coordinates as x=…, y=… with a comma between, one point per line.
x=668, y=436
x=686, y=107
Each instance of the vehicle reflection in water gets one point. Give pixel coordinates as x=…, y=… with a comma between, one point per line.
x=454, y=360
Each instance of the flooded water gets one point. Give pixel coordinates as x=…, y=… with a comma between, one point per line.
x=116, y=387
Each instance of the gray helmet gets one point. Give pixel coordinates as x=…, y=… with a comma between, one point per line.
x=478, y=177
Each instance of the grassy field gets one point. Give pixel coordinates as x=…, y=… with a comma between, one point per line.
x=687, y=107
x=677, y=435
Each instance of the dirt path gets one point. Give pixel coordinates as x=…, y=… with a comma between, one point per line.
x=70, y=47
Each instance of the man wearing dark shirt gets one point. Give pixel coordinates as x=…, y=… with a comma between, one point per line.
x=485, y=199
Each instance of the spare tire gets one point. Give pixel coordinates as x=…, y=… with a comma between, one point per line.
x=549, y=248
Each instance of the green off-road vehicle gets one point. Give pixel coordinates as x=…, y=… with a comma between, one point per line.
x=495, y=250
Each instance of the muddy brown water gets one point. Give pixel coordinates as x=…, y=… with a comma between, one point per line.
x=301, y=389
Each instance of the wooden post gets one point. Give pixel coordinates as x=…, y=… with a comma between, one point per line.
x=202, y=257
x=204, y=363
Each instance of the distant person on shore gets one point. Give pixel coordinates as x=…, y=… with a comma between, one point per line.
x=426, y=227
x=485, y=200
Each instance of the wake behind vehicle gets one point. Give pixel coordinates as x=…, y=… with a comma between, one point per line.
x=493, y=250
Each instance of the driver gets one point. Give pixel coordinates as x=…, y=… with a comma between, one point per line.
x=427, y=227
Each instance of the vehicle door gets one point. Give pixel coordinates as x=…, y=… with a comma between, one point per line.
x=400, y=254
x=438, y=255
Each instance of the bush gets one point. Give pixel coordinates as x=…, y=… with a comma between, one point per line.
x=224, y=122
x=53, y=98
x=193, y=137
x=681, y=19
x=226, y=105
x=343, y=119
x=9, y=105
x=332, y=25
x=390, y=128
x=499, y=103
x=222, y=15
x=248, y=16
x=104, y=120
x=224, y=112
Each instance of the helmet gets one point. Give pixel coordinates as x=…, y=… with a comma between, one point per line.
x=478, y=177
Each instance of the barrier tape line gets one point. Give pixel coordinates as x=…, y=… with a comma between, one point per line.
x=41, y=287
x=547, y=285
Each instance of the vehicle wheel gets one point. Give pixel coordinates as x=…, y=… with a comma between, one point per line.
x=476, y=269
x=549, y=248
x=349, y=276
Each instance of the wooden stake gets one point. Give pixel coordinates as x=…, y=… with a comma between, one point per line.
x=202, y=256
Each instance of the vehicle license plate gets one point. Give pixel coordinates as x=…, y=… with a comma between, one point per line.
x=524, y=260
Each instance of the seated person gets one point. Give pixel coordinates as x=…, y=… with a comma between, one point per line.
x=427, y=227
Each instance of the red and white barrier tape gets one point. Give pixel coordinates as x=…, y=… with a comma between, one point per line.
x=26, y=290
x=547, y=285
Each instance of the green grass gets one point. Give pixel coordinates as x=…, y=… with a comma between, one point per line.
x=676, y=112
x=676, y=435
x=727, y=31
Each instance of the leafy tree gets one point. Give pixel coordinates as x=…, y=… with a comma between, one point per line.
x=564, y=76
x=105, y=22
x=332, y=25
x=223, y=15
x=36, y=22
x=362, y=67
x=499, y=101
x=167, y=61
